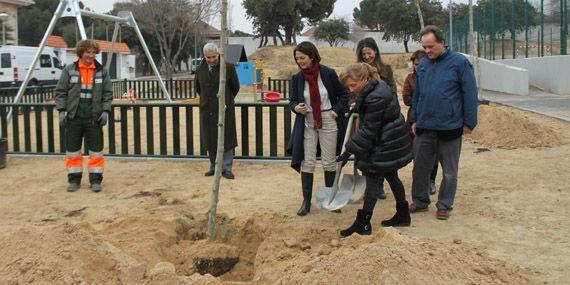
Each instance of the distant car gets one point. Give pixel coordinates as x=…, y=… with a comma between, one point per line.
x=195, y=63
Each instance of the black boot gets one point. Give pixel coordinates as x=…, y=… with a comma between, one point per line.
x=329, y=178
x=360, y=226
x=307, y=184
x=74, y=180
x=401, y=218
x=329, y=181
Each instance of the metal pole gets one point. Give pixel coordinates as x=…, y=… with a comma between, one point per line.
x=471, y=40
x=525, y=29
x=541, y=27
x=111, y=52
x=148, y=55
x=513, y=32
x=502, y=30
x=56, y=16
x=565, y=51
x=562, y=30
x=3, y=32
x=80, y=21
x=451, y=24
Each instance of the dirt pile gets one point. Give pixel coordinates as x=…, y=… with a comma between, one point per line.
x=279, y=62
x=507, y=128
x=256, y=249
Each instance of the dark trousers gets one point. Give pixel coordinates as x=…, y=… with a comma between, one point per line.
x=373, y=185
x=227, y=158
x=428, y=149
x=76, y=131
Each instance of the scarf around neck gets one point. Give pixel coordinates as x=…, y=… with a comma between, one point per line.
x=311, y=75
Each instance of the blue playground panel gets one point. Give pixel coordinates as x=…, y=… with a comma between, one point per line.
x=245, y=73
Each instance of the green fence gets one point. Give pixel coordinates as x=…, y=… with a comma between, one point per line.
x=151, y=130
x=33, y=94
x=512, y=28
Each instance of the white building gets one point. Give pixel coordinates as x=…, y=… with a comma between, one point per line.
x=10, y=7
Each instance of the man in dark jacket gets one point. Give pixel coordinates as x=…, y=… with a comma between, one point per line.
x=207, y=85
x=444, y=107
x=84, y=95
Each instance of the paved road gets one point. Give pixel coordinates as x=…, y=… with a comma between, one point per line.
x=557, y=106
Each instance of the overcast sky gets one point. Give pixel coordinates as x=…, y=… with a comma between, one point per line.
x=237, y=19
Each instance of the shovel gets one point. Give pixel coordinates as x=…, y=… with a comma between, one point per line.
x=334, y=198
x=356, y=183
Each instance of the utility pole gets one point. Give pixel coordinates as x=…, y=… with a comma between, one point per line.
x=451, y=24
x=221, y=125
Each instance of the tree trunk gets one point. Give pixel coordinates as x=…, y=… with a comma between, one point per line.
x=274, y=40
x=420, y=13
x=281, y=38
x=288, y=35
x=406, y=46
x=221, y=122
x=260, y=42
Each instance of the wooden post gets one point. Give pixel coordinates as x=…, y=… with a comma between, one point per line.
x=221, y=122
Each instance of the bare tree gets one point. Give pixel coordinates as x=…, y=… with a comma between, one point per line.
x=420, y=13
x=221, y=128
x=173, y=23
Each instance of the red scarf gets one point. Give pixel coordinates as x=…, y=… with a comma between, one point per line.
x=311, y=75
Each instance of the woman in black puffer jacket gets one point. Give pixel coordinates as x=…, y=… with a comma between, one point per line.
x=382, y=145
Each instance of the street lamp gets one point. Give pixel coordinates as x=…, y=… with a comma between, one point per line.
x=3, y=17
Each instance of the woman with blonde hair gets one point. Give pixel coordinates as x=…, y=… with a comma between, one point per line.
x=381, y=146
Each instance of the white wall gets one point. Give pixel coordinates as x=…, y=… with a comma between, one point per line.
x=496, y=76
x=551, y=72
x=251, y=44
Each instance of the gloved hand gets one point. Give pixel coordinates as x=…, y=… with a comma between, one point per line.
x=343, y=158
x=62, y=119
x=103, y=119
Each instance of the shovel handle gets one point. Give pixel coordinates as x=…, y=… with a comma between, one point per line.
x=347, y=133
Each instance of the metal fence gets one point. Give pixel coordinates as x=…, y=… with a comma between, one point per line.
x=179, y=89
x=151, y=130
x=512, y=28
x=150, y=89
x=33, y=94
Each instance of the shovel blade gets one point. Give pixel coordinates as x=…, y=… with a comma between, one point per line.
x=324, y=195
x=356, y=184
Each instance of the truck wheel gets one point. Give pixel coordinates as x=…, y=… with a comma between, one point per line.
x=33, y=82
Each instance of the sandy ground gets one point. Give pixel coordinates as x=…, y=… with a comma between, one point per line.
x=148, y=226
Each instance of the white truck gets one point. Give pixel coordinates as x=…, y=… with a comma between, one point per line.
x=15, y=61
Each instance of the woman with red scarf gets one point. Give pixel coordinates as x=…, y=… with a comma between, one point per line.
x=319, y=101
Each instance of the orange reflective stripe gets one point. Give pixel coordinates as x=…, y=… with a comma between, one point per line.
x=74, y=161
x=96, y=162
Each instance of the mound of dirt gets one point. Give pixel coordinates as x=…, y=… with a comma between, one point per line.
x=386, y=257
x=508, y=128
x=279, y=62
x=253, y=249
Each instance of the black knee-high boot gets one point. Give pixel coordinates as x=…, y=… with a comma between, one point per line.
x=307, y=186
x=360, y=226
x=402, y=216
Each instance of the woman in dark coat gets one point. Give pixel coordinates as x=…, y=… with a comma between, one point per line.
x=319, y=101
x=381, y=146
